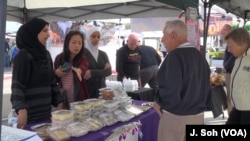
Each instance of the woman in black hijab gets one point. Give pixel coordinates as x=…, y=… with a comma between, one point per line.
x=33, y=87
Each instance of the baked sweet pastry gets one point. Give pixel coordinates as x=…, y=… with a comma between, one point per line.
x=58, y=134
x=62, y=117
x=107, y=94
x=77, y=129
x=82, y=107
x=41, y=130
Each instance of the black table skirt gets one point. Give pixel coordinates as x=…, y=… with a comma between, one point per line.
x=145, y=94
x=219, y=100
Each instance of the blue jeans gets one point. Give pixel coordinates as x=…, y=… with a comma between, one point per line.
x=6, y=60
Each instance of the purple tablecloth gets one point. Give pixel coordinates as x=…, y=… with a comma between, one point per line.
x=149, y=120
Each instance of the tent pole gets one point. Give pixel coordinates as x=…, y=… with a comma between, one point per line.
x=204, y=28
x=207, y=4
x=3, y=5
x=25, y=15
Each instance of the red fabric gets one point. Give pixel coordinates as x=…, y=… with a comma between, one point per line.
x=83, y=94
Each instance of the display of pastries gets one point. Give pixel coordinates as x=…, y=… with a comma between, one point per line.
x=88, y=115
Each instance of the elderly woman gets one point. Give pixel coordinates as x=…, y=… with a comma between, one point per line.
x=99, y=65
x=238, y=42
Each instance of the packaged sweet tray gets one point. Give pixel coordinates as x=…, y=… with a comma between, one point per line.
x=62, y=117
x=96, y=104
x=110, y=103
x=134, y=110
x=58, y=133
x=94, y=124
x=77, y=129
x=81, y=106
x=81, y=116
x=108, y=118
x=40, y=129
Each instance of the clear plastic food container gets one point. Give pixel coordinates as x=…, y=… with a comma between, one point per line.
x=108, y=118
x=77, y=129
x=81, y=107
x=62, y=117
x=41, y=130
x=110, y=104
x=96, y=104
x=94, y=124
x=58, y=133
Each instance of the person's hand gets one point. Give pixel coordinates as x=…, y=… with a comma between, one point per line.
x=59, y=106
x=216, y=79
x=107, y=65
x=87, y=75
x=59, y=72
x=22, y=118
x=224, y=70
x=139, y=83
x=78, y=72
x=157, y=109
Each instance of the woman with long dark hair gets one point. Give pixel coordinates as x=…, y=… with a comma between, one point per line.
x=71, y=66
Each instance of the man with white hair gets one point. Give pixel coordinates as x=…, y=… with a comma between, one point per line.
x=184, y=87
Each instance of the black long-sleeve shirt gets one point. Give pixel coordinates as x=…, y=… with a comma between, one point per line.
x=98, y=72
x=149, y=57
x=128, y=63
x=34, y=86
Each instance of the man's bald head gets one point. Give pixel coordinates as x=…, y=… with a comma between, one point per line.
x=225, y=30
x=132, y=41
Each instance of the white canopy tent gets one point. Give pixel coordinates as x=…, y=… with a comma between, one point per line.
x=240, y=8
x=64, y=10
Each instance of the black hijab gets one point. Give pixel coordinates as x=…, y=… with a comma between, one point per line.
x=27, y=38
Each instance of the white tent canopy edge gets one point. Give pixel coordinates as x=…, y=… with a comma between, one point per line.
x=97, y=9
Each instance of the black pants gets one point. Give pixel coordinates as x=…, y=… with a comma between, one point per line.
x=148, y=75
x=238, y=117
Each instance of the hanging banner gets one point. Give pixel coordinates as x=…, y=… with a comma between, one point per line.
x=193, y=26
x=59, y=30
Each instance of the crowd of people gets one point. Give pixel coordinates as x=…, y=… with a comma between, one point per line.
x=182, y=79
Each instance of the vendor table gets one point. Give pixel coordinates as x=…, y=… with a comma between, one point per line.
x=146, y=94
x=149, y=128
